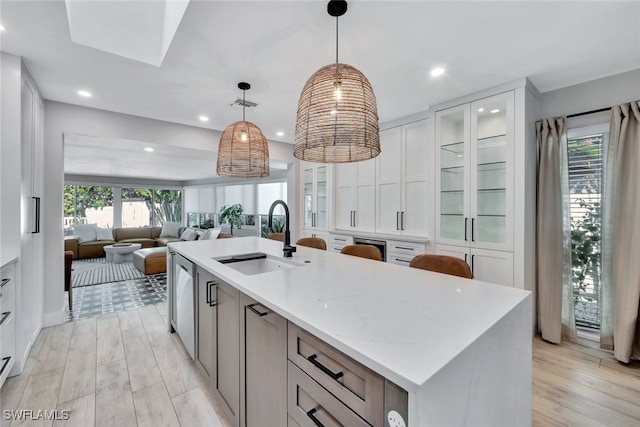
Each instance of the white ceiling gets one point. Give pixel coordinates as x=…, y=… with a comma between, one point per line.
x=98, y=156
x=277, y=45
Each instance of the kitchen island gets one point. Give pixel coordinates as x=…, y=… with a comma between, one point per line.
x=461, y=349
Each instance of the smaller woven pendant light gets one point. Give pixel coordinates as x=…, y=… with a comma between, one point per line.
x=243, y=151
x=337, y=120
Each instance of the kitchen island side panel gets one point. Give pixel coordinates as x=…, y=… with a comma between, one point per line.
x=488, y=383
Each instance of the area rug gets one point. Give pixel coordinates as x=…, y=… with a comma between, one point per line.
x=107, y=298
x=94, y=271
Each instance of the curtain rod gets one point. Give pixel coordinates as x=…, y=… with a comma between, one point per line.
x=589, y=112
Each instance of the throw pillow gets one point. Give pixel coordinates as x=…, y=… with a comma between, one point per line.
x=189, y=234
x=104, y=233
x=170, y=229
x=85, y=232
x=211, y=234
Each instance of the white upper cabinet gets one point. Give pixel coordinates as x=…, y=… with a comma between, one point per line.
x=355, y=196
x=315, y=186
x=402, y=181
x=474, y=155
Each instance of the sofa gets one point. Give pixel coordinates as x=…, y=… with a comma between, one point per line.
x=148, y=237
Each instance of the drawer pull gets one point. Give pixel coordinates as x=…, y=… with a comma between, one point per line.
x=5, y=315
x=4, y=282
x=339, y=240
x=210, y=292
x=5, y=363
x=313, y=417
x=403, y=260
x=323, y=368
x=405, y=248
x=250, y=307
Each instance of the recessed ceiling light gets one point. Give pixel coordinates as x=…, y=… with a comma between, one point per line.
x=480, y=110
x=437, y=72
x=84, y=93
x=495, y=111
x=280, y=133
x=149, y=149
x=204, y=118
x=2, y=27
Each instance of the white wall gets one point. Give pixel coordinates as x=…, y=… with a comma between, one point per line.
x=10, y=166
x=593, y=95
x=63, y=118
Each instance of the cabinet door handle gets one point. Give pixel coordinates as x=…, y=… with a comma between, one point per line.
x=210, y=300
x=5, y=363
x=397, y=220
x=466, y=220
x=314, y=362
x=473, y=237
x=402, y=220
x=5, y=315
x=313, y=418
x=354, y=218
x=465, y=258
x=4, y=282
x=36, y=228
x=472, y=262
x=250, y=307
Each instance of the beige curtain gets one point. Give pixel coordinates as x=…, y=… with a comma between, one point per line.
x=621, y=235
x=556, y=318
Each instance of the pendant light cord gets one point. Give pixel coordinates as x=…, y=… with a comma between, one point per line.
x=244, y=104
x=336, y=41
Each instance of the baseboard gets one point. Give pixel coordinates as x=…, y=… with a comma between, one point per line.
x=53, y=319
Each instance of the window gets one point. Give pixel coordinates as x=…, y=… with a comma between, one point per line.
x=150, y=207
x=586, y=148
x=87, y=204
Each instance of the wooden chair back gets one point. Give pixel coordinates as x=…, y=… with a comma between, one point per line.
x=442, y=264
x=312, y=242
x=276, y=236
x=363, y=251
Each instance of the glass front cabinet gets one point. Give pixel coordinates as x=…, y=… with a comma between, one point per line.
x=315, y=187
x=475, y=178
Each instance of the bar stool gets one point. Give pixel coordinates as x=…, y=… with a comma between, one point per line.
x=363, y=251
x=442, y=264
x=312, y=242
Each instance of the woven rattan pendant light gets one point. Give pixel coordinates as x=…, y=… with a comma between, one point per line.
x=337, y=120
x=243, y=151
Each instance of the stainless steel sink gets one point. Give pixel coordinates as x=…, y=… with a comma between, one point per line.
x=257, y=263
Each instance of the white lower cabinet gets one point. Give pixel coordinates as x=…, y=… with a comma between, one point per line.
x=402, y=253
x=338, y=241
x=486, y=265
x=7, y=321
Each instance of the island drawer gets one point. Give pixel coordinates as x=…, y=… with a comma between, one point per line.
x=355, y=385
x=311, y=405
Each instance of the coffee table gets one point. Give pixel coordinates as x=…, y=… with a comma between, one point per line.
x=118, y=254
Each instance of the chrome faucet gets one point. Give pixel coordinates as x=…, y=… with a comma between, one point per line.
x=288, y=249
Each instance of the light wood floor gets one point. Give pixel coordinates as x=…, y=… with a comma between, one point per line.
x=117, y=370
x=126, y=370
x=575, y=385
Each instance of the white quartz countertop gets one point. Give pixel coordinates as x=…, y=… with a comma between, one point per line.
x=403, y=323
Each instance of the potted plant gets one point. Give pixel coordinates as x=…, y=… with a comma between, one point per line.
x=232, y=214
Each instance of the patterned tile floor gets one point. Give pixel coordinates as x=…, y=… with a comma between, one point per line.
x=96, y=300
